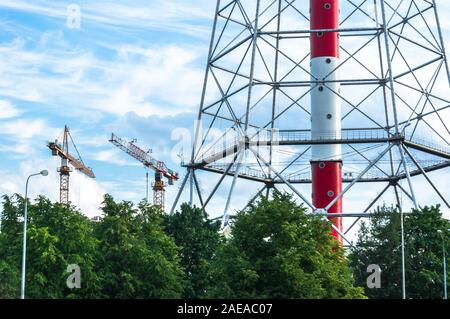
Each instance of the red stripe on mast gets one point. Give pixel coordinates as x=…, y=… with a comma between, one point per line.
x=326, y=164
x=324, y=16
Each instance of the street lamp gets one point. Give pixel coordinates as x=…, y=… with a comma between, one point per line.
x=444, y=262
x=402, y=225
x=24, y=247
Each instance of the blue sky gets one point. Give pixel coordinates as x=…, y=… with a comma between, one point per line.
x=134, y=68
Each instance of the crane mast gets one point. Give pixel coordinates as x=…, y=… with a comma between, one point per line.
x=62, y=150
x=159, y=167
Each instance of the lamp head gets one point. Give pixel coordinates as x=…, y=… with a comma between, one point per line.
x=44, y=172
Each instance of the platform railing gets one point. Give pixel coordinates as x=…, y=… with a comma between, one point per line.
x=373, y=174
x=305, y=137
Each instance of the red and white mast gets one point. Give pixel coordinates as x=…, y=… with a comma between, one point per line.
x=326, y=162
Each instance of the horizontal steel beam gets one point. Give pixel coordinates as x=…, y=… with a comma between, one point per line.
x=341, y=30
x=351, y=215
x=356, y=215
x=272, y=181
x=285, y=142
x=426, y=149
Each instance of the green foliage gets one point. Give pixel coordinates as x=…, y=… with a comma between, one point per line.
x=379, y=242
x=126, y=255
x=9, y=280
x=57, y=236
x=9, y=250
x=198, y=239
x=278, y=251
x=137, y=259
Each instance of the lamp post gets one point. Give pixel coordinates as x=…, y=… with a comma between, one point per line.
x=444, y=263
x=402, y=223
x=24, y=247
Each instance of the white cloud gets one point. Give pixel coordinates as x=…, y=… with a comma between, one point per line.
x=175, y=16
x=27, y=129
x=25, y=138
x=113, y=157
x=77, y=80
x=89, y=140
x=143, y=74
x=20, y=149
x=7, y=110
x=85, y=193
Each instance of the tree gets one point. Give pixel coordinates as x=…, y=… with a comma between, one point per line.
x=71, y=233
x=126, y=255
x=278, y=251
x=198, y=239
x=10, y=249
x=137, y=259
x=57, y=237
x=379, y=242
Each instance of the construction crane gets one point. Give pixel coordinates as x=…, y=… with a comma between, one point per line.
x=145, y=158
x=62, y=150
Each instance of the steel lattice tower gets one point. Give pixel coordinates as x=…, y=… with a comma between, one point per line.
x=343, y=96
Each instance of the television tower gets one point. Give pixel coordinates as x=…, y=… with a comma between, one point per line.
x=326, y=99
x=326, y=161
